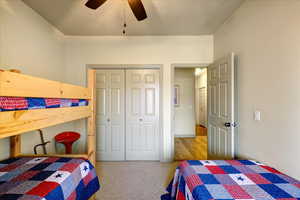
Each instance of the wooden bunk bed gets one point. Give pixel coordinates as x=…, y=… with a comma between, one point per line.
x=16, y=122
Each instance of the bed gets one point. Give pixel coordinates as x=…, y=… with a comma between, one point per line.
x=230, y=180
x=29, y=103
x=53, y=178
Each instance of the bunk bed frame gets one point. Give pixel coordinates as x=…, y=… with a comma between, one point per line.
x=15, y=123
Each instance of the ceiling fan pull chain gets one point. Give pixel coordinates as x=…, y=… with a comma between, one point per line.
x=124, y=17
x=124, y=30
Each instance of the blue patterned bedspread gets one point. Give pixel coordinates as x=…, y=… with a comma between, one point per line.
x=23, y=103
x=230, y=180
x=47, y=178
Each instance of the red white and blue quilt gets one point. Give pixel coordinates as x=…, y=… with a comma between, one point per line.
x=26, y=103
x=47, y=178
x=230, y=180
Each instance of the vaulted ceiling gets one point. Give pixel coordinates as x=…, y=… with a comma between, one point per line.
x=165, y=17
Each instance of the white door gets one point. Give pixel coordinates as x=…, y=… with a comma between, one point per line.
x=110, y=115
x=142, y=114
x=221, y=109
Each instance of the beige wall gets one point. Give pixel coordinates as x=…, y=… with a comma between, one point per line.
x=266, y=36
x=166, y=51
x=29, y=43
x=185, y=113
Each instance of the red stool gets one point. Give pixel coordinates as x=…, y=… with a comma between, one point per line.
x=67, y=138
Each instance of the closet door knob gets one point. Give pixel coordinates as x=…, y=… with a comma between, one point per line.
x=141, y=119
x=108, y=120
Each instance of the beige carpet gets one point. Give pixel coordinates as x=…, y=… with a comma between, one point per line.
x=133, y=180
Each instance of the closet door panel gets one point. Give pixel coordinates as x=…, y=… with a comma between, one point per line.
x=111, y=115
x=142, y=116
x=117, y=114
x=102, y=127
x=134, y=95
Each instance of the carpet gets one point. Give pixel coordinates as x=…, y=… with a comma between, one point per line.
x=133, y=180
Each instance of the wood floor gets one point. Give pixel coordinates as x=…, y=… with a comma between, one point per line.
x=192, y=148
x=201, y=130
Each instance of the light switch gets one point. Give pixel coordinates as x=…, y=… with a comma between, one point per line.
x=257, y=116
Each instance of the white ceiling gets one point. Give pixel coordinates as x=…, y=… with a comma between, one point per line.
x=165, y=17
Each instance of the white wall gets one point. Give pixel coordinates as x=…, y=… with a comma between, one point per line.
x=81, y=51
x=29, y=43
x=185, y=117
x=266, y=36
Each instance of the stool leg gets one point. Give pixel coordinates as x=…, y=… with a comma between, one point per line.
x=68, y=147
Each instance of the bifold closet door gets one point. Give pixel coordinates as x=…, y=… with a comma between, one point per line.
x=110, y=115
x=142, y=114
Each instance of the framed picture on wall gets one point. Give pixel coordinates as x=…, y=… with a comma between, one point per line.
x=177, y=95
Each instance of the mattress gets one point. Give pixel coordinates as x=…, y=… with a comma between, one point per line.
x=230, y=180
x=47, y=178
x=22, y=103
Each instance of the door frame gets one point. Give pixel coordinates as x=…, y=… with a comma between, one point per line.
x=139, y=66
x=173, y=67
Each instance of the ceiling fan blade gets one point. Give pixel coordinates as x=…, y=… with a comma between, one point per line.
x=94, y=4
x=138, y=9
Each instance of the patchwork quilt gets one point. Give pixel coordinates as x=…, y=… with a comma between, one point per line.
x=230, y=180
x=23, y=103
x=47, y=178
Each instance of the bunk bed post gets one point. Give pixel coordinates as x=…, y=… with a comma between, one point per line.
x=91, y=132
x=15, y=141
x=15, y=146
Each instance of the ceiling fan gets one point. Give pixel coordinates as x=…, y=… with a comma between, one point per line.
x=136, y=6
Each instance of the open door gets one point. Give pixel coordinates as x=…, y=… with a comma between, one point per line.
x=221, y=109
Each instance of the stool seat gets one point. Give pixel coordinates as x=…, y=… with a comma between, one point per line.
x=67, y=138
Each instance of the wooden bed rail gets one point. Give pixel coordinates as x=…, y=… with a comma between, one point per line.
x=18, y=122
x=19, y=85
x=91, y=126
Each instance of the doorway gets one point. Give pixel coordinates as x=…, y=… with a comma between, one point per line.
x=190, y=113
x=222, y=112
x=128, y=112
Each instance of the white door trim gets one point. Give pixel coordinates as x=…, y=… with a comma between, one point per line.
x=140, y=66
